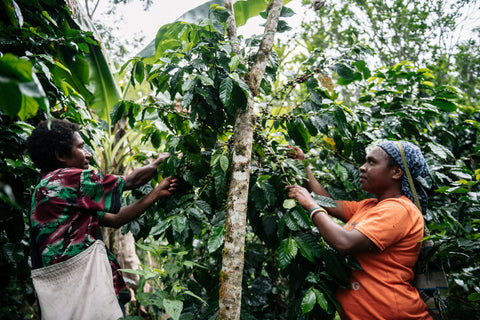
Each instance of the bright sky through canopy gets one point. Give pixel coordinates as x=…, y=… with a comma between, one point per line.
x=137, y=22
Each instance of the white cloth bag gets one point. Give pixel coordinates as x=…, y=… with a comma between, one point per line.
x=80, y=288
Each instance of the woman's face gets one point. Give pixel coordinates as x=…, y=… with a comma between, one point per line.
x=79, y=156
x=375, y=175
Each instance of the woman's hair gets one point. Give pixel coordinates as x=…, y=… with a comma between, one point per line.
x=417, y=166
x=48, y=138
x=391, y=162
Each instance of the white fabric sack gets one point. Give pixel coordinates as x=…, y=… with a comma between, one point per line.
x=80, y=288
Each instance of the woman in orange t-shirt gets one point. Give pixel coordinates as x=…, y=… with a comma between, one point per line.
x=382, y=234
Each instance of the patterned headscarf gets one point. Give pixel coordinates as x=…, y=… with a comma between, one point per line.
x=416, y=164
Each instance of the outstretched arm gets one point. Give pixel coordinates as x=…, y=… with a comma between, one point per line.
x=345, y=241
x=142, y=175
x=314, y=186
x=126, y=214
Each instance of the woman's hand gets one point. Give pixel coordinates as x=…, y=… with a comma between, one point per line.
x=142, y=175
x=295, y=153
x=166, y=187
x=161, y=158
x=302, y=196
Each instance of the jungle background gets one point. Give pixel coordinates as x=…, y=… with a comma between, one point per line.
x=356, y=72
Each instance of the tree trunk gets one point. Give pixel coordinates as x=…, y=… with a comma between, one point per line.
x=235, y=229
x=123, y=247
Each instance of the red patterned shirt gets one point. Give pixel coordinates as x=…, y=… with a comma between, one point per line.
x=66, y=207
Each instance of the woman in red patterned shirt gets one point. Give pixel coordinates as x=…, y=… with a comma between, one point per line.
x=71, y=200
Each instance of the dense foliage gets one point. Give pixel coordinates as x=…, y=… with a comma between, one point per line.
x=195, y=86
x=41, y=67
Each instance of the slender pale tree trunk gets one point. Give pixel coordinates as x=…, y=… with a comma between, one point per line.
x=235, y=228
x=123, y=245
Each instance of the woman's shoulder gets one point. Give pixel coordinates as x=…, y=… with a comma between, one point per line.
x=405, y=205
x=402, y=201
x=66, y=176
x=358, y=205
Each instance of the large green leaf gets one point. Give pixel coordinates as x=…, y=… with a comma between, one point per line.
x=198, y=13
x=344, y=71
x=173, y=308
x=341, y=122
x=13, y=12
x=71, y=74
x=221, y=180
x=179, y=223
x=445, y=105
x=324, y=201
x=311, y=241
x=305, y=248
x=168, y=37
x=147, y=273
x=439, y=150
x=308, y=301
x=291, y=222
x=226, y=88
x=106, y=92
x=244, y=10
x=11, y=99
x=217, y=237
x=204, y=206
x=321, y=300
x=299, y=133
x=289, y=203
x=21, y=94
x=284, y=257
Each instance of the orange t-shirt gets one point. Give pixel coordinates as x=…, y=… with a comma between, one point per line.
x=382, y=290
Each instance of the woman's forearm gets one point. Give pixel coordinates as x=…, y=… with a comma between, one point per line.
x=129, y=213
x=142, y=175
x=346, y=242
x=314, y=186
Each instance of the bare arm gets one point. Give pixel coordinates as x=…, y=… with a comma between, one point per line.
x=142, y=175
x=126, y=214
x=345, y=241
x=314, y=186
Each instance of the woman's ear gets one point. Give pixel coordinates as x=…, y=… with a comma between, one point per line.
x=397, y=172
x=60, y=158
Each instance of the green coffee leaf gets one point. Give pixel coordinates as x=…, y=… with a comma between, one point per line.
x=305, y=249
x=226, y=87
x=289, y=203
x=321, y=300
x=308, y=301
x=173, y=308
x=179, y=223
x=224, y=163
x=233, y=64
x=291, y=247
x=217, y=238
x=284, y=257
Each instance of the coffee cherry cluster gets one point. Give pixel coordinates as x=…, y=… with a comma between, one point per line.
x=286, y=90
x=302, y=78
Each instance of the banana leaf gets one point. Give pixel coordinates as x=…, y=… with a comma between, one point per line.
x=244, y=10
